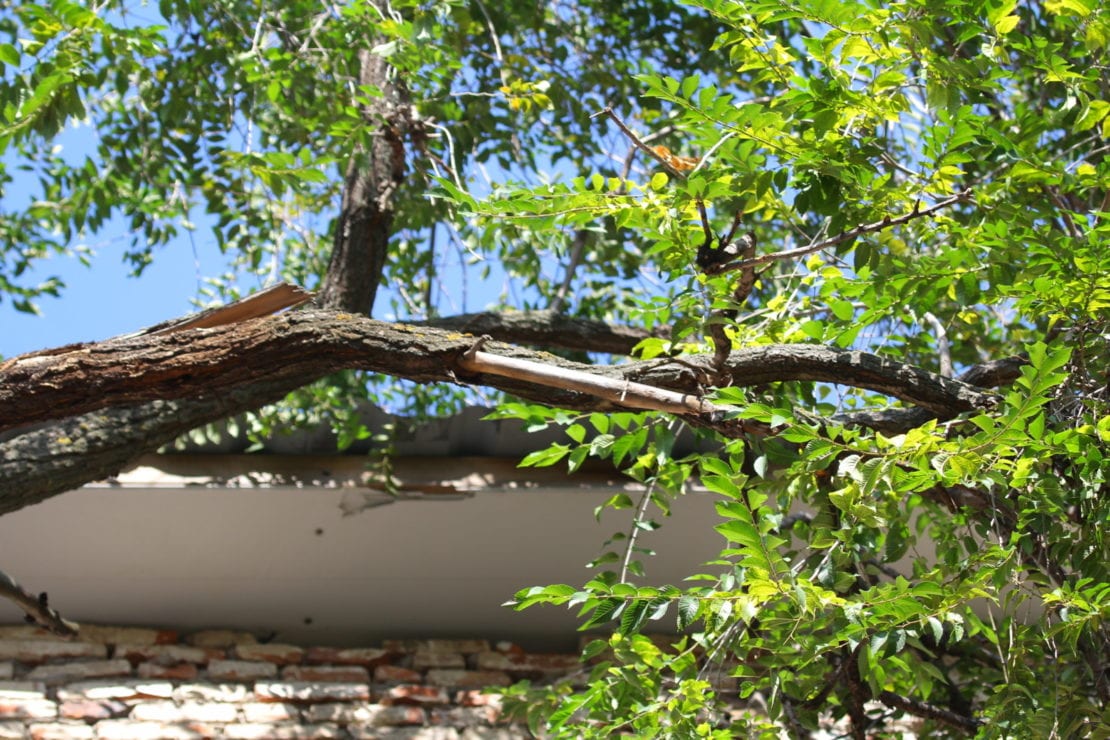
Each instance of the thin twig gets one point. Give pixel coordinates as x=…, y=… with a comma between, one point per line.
x=496, y=43
x=712, y=150
x=944, y=349
x=578, y=246
x=637, y=141
x=842, y=237
x=635, y=530
x=626, y=166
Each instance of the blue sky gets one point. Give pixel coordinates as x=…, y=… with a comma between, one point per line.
x=102, y=300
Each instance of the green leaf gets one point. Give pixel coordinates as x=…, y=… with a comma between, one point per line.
x=546, y=457
x=634, y=616
x=9, y=55
x=687, y=610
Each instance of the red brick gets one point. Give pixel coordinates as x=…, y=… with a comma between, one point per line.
x=79, y=670
x=406, y=733
x=349, y=673
x=240, y=670
x=168, y=711
x=22, y=690
x=87, y=709
x=415, y=694
x=37, y=651
x=28, y=709
x=264, y=731
x=467, y=679
x=269, y=712
x=179, y=672
x=126, y=635
x=396, y=674
x=220, y=638
x=271, y=653
x=61, y=731
x=168, y=654
x=529, y=663
x=509, y=648
x=126, y=729
x=474, y=698
x=464, y=716
x=230, y=693
x=299, y=691
x=409, y=733
x=368, y=657
x=375, y=715
x=511, y=732
x=423, y=660
x=124, y=690
x=437, y=646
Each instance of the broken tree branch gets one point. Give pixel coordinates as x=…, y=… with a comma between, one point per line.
x=81, y=413
x=300, y=346
x=621, y=392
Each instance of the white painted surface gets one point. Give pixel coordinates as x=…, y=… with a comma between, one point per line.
x=194, y=558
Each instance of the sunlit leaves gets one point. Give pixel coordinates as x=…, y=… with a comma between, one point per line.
x=904, y=559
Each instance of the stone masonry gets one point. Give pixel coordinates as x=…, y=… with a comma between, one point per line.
x=128, y=683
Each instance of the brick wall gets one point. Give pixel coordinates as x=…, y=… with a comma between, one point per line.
x=124, y=683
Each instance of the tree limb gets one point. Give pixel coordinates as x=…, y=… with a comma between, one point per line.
x=295, y=348
x=621, y=392
x=548, y=329
x=924, y=709
x=128, y=396
x=993, y=374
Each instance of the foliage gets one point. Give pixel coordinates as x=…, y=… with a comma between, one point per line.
x=824, y=117
x=955, y=569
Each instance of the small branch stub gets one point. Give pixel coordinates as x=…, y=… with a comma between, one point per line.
x=36, y=607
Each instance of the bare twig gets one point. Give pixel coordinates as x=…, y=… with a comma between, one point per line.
x=843, y=236
x=944, y=349
x=626, y=166
x=929, y=711
x=578, y=246
x=634, y=530
x=38, y=610
x=637, y=141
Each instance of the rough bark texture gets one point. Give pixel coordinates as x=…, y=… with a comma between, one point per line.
x=128, y=396
x=548, y=329
x=373, y=175
x=301, y=346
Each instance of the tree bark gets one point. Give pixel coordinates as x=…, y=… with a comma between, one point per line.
x=128, y=396
x=298, y=347
x=374, y=173
x=549, y=329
